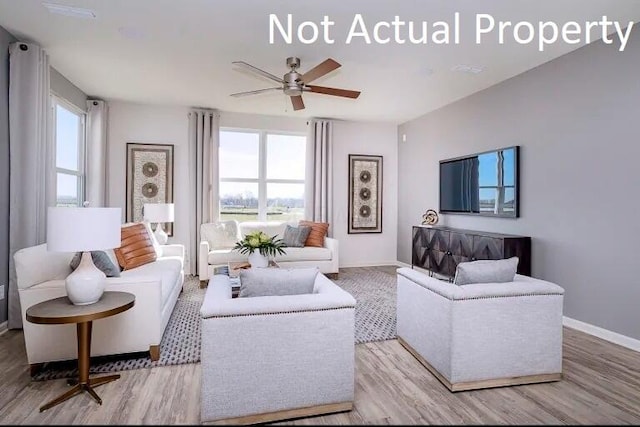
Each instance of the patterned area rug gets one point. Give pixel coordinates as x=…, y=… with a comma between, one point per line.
x=374, y=289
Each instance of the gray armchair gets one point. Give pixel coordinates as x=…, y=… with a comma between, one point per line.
x=482, y=335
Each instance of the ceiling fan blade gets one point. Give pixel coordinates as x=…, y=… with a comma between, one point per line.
x=334, y=91
x=297, y=102
x=258, y=71
x=253, y=92
x=320, y=70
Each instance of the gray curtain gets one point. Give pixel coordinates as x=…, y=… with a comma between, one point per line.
x=32, y=158
x=204, y=141
x=96, y=154
x=319, y=179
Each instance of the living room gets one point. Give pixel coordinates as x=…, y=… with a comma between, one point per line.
x=158, y=75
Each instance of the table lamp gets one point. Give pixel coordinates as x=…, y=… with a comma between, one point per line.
x=159, y=213
x=83, y=230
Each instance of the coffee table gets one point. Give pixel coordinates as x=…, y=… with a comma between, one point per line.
x=61, y=311
x=232, y=270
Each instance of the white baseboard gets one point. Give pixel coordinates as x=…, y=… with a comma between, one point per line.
x=403, y=264
x=599, y=332
x=3, y=327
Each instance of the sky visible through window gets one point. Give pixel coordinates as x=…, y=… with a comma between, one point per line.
x=67, y=146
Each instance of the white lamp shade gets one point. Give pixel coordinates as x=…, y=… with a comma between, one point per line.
x=158, y=212
x=83, y=229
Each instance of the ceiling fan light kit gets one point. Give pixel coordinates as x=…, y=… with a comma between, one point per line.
x=294, y=84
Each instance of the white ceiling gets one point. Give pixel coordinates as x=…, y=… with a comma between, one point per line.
x=179, y=52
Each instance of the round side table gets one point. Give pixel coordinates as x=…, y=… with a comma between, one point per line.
x=61, y=311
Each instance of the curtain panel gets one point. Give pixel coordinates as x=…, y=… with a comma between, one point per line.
x=319, y=175
x=32, y=157
x=204, y=141
x=96, y=154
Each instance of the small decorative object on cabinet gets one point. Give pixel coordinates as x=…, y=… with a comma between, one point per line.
x=440, y=249
x=365, y=194
x=430, y=218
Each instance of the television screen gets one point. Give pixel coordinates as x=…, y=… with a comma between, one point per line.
x=484, y=183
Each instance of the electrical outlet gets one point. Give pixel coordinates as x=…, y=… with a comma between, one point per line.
x=2, y=292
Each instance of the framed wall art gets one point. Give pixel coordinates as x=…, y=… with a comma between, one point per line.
x=149, y=179
x=365, y=194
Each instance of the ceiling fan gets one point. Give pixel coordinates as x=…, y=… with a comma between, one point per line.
x=294, y=83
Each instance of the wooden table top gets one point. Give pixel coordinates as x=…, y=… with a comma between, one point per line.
x=61, y=310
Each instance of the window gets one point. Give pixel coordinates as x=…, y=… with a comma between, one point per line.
x=497, y=181
x=69, y=137
x=261, y=176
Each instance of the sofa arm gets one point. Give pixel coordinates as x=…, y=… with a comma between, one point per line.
x=444, y=289
x=173, y=250
x=332, y=244
x=203, y=260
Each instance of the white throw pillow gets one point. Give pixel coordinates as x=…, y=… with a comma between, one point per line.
x=221, y=234
x=258, y=282
x=156, y=245
x=486, y=271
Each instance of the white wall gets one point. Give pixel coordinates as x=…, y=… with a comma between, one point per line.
x=371, y=139
x=150, y=124
x=262, y=122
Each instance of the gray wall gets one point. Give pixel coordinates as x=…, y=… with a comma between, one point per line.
x=67, y=90
x=5, y=40
x=577, y=120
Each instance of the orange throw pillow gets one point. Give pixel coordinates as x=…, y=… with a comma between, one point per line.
x=136, y=247
x=318, y=231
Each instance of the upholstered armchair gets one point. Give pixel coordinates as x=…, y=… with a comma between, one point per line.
x=484, y=334
x=267, y=358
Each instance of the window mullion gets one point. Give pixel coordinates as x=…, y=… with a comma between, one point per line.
x=262, y=177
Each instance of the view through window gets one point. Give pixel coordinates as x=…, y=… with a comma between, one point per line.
x=69, y=142
x=261, y=176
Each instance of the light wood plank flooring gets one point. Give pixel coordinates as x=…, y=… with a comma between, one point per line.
x=601, y=385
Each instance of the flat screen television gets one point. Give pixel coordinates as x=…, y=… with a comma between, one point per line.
x=481, y=184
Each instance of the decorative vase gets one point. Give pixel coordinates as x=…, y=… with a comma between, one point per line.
x=257, y=260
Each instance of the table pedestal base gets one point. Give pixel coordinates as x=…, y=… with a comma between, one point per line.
x=79, y=388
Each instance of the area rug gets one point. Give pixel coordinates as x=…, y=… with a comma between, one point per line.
x=374, y=289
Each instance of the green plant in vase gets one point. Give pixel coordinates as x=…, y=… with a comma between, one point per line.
x=259, y=246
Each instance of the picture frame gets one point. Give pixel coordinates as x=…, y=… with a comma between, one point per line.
x=149, y=179
x=365, y=194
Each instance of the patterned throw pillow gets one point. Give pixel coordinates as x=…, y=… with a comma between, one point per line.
x=317, y=234
x=101, y=260
x=136, y=247
x=295, y=237
x=221, y=234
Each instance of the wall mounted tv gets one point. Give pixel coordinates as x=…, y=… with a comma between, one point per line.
x=481, y=184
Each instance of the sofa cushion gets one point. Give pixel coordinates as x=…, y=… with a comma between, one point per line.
x=167, y=269
x=486, y=271
x=307, y=253
x=136, y=247
x=101, y=260
x=317, y=234
x=271, y=228
x=221, y=234
x=223, y=256
x=295, y=237
x=256, y=282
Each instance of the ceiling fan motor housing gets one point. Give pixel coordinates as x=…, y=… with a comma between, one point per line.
x=292, y=85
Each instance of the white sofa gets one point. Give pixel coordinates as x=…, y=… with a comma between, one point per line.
x=216, y=247
x=484, y=334
x=275, y=357
x=41, y=276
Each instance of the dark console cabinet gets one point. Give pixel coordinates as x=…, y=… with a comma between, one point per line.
x=441, y=249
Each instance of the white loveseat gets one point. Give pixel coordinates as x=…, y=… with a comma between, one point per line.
x=41, y=276
x=217, y=240
x=267, y=358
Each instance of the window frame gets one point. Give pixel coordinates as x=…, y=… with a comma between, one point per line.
x=80, y=174
x=262, y=179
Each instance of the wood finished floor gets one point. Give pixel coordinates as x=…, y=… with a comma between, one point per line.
x=601, y=385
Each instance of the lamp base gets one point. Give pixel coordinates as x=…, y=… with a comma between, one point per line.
x=86, y=284
x=161, y=235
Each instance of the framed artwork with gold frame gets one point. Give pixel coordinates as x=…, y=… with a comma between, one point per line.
x=365, y=194
x=149, y=179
